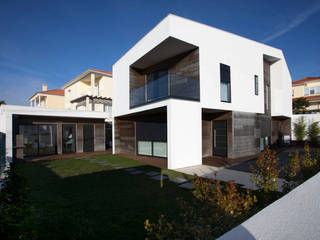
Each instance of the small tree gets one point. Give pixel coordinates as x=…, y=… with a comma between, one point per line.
x=313, y=131
x=267, y=171
x=300, y=129
x=300, y=105
x=293, y=167
x=307, y=161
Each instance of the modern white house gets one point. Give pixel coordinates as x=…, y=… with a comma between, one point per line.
x=187, y=91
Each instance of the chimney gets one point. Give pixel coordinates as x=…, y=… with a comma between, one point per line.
x=44, y=87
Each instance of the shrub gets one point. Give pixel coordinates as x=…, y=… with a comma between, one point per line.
x=293, y=167
x=267, y=171
x=307, y=161
x=17, y=219
x=309, y=164
x=313, y=131
x=211, y=206
x=300, y=129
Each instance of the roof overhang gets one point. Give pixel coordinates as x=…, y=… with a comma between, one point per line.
x=83, y=98
x=83, y=75
x=167, y=49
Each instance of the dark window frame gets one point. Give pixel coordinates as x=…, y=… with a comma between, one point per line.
x=225, y=77
x=256, y=85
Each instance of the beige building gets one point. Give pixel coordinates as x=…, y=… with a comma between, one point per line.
x=48, y=98
x=90, y=91
x=309, y=88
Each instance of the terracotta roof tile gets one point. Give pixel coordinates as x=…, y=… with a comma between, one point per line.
x=306, y=79
x=58, y=92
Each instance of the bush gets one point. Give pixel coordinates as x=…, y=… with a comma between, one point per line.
x=267, y=171
x=300, y=129
x=17, y=219
x=313, y=131
x=309, y=164
x=293, y=167
x=214, y=205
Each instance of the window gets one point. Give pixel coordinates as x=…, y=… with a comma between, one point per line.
x=157, y=85
x=225, y=87
x=311, y=90
x=256, y=87
x=267, y=97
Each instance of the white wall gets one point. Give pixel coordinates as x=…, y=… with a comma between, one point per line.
x=184, y=134
x=295, y=216
x=244, y=56
x=308, y=119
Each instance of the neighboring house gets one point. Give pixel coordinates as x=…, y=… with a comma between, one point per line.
x=48, y=98
x=309, y=88
x=187, y=91
x=90, y=91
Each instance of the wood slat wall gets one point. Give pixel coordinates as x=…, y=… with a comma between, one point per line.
x=125, y=137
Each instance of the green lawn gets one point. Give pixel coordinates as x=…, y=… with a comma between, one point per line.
x=77, y=199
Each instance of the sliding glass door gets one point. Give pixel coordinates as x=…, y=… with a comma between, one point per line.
x=39, y=139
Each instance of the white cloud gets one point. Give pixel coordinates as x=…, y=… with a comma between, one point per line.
x=302, y=17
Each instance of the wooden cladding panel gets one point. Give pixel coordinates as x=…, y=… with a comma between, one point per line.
x=206, y=138
x=125, y=137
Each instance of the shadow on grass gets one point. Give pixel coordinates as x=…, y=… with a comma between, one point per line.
x=101, y=204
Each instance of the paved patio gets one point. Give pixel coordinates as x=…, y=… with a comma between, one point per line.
x=224, y=174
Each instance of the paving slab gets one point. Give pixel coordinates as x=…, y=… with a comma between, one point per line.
x=104, y=164
x=187, y=185
x=136, y=172
x=178, y=180
x=159, y=177
x=116, y=166
x=130, y=169
x=224, y=175
x=151, y=174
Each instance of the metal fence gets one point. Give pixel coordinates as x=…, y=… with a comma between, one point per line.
x=2, y=151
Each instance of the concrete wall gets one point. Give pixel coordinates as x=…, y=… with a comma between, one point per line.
x=184, y=134
x=295, y=216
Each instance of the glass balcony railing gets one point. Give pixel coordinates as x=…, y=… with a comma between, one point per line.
x=168, y=86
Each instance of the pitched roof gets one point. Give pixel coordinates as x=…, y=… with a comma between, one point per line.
x=103, y=71
x=306, y=79
x=58, y=92
x=84, y=74
x=309, y=97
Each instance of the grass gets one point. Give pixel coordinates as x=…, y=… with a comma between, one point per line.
x=79, y=199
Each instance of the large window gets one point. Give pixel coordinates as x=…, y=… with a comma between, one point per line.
x=311, y=90
x=157, y=85
x=151, y=138
x=225, y=86
x=39, y=139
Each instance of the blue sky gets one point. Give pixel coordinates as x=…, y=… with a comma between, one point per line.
x=53, y=41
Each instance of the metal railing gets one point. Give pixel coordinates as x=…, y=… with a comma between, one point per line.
x=170, y=86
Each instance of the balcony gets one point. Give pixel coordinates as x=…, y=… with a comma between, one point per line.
x=169, y=70
x=165, y=86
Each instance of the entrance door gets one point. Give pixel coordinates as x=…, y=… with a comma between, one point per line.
x=68, y=138
x=219, y=140
x=88, y=138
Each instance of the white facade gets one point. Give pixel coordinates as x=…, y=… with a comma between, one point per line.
x=244, y=56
